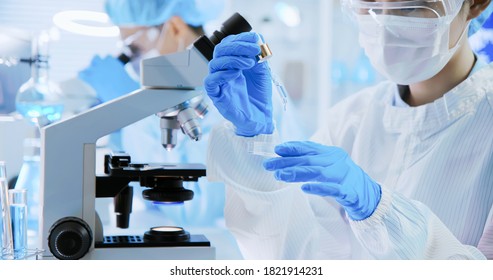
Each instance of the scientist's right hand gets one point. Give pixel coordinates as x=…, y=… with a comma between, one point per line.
x=239, y=87
x=108, y=77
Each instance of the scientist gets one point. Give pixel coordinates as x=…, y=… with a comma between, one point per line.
x=401, y=170
x=148, y=28
x=151, y=28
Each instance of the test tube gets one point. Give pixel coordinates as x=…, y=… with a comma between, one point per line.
x=265, y=52
x=262, y=57
x=18, y=212
x=6, y=228
x=280, y=88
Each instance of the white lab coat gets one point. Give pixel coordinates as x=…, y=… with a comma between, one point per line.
x=434, y=163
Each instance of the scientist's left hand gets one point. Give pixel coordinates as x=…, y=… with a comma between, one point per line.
x=108, y=77
x=329, y=171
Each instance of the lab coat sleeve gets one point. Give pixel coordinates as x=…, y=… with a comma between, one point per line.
x=405, y=229
x=270, y=219
x=486, y=242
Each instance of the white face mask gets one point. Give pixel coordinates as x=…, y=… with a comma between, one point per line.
x=407, y=50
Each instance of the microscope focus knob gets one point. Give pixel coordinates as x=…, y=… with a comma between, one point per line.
x=69, y=238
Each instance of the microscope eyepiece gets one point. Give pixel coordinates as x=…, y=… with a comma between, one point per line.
x=129, y=53
x=235, y=24
x=124, y=58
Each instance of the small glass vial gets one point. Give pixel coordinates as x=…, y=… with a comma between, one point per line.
x=18, y=212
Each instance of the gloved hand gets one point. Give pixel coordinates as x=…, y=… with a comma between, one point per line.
x=108, y=77
x=239, y=87
x=328, y=171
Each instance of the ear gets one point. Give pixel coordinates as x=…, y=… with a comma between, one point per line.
x=477, y=7
x=177, y=26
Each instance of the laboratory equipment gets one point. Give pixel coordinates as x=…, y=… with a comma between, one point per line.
x=281, y=89
x=6, y=229
x=18, y=212
x=12, y=147
x=69, y=227
x=29, y=180
x=266, y=54
x=129, y=51
x=15, y=47
x=182, y=116
x=38, y=100
x=264, y=149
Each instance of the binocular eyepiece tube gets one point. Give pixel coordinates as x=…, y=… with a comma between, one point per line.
x=235, y=24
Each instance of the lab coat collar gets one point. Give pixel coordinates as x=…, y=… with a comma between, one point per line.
x=432, y=117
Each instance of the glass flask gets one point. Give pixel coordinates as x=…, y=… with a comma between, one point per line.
x=38, y=100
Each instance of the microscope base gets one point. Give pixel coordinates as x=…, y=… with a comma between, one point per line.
x=149, y=253
x=153, y=253
x=134, y=248
x=138, y=241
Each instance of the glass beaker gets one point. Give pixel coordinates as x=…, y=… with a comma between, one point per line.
x=6, y=226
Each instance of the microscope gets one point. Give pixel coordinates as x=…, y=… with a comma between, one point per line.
x=69, y=227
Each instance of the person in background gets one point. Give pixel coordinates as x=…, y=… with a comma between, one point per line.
x=149, y=28
x=401, y=170
x=482, y=41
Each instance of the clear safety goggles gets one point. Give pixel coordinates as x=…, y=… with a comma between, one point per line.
x=403, y=8
x=131, y=49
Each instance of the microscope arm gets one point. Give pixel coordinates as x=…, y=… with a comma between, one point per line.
x=69, y=151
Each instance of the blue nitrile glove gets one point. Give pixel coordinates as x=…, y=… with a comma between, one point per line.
x=108, y=77
x=239, y=87
x=328, y=171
